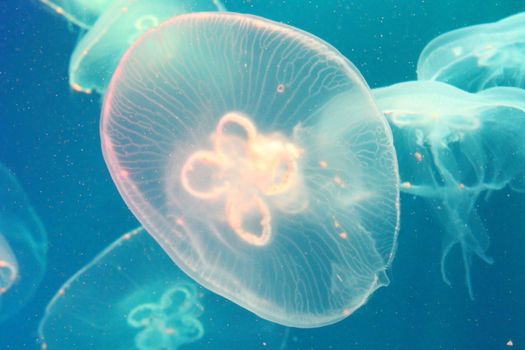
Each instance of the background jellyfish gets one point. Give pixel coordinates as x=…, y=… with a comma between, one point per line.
x=452, y=146
x=477, y=57
x=96, y=56
x=8, y=266
x=255, y=155
x=82, y=13
x=22, y=246
x=132, y=296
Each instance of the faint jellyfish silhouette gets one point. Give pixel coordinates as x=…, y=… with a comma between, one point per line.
x=452, y=146
x=23, y=246
x=132, y=296
x=96, y=56
x=477, y=57
x=254, y=153
x=8, y=266
x=82, y=13
x=170, y=323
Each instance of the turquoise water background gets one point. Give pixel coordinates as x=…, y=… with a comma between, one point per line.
x=49, y=138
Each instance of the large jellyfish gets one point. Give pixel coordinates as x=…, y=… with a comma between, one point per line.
x=95, y=58
x=478, y=57
x=254, y=154
x=452, y=146
x=23, y=246
x=132, y=296
x=82, y=13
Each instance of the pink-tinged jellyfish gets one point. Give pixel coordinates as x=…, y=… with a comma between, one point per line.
x=477, y=57
x=96, y=56
x=132, y=296
x=82, y=13
x=454, y=146
x=23, y=246
x=255, y=155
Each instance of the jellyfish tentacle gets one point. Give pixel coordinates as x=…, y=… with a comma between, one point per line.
x=471, y=237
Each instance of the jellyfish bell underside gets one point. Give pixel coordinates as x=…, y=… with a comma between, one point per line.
x=452, y=146
x=23, y=245
x=96, y=56
x=132, y=296
x=82, y=13
x=254, y=154
x=477, y=57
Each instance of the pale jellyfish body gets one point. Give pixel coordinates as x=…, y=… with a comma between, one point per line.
x=145, y=302
x=22, y=246
x=96, y=56
x=452, y=146
x=82, y=13
x=255, y=155
x=477, y=57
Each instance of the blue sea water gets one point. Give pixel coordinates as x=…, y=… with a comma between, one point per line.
x=49, y=137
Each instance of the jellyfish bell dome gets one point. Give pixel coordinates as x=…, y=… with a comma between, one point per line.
x=477, y=57
x=254, y=154
x=23, y=246
x=82, y=13
x=145, y=302
x=96, y=56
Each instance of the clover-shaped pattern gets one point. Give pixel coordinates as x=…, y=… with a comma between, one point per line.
x=244, y=168
x=170, y=323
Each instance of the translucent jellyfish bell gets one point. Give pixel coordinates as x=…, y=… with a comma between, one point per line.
x=254, y=153
x=82, y=13
x=477, y=57
x=22, y=246
x=452, y=146
x=132, y=296
x=97, y=55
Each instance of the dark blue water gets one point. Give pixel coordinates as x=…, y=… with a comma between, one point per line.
x=49, y=138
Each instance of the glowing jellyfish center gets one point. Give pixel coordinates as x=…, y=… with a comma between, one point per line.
x=245, y=170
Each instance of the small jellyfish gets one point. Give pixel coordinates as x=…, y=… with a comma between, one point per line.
x=132, y=296
x=23, y=246
x=96, y=56
x=477, y=57
x=171, y=322
x=452, y=146
x=82, y=13
x=254, y=153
